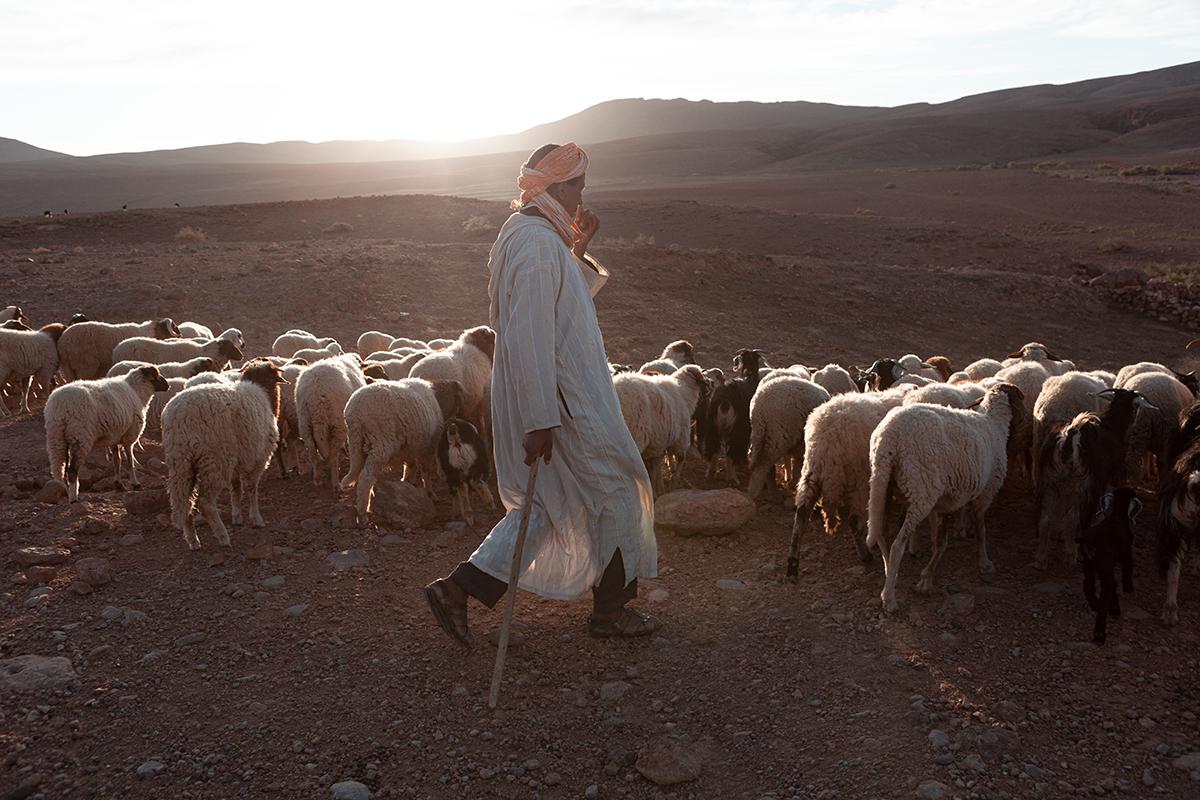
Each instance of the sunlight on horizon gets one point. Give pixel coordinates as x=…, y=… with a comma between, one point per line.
x=137, y=75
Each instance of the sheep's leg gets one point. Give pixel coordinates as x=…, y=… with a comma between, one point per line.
x=1045, y=526
x=76, y=455
x=859, y=536
x=485, y=494
x=365, y=485
x=1170, y=612
x=281, y=456
x=335, y=464
x=235, y=501
x=1108, y=596
x=25, y=394
x=656, y=477
x=4, y=372
x=134, y=480
x=212, y=515
x=252, y=480
x=1089, y=584
x=801, y=519
x=115, y=452
x=314, y=455
x=456, y=505
x=938, y=544
x=986, y=567
x=912, y=518
x=188, y=527
x=468, y=513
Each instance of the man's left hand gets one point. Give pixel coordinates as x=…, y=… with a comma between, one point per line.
x=587, y=223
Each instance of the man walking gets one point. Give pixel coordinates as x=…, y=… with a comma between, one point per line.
x=592, y=521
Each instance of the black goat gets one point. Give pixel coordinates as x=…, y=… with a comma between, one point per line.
x=727, y=424
x=463, y=456
x=1179, y=506
x=1106, y=542
x=880, y=376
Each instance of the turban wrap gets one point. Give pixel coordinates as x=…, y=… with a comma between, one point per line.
x=563, y=163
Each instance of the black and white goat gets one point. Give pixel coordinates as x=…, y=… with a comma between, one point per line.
x=727, y=424
x=463, y=456
x=1179, y=506
x=1106, y=542
x=880, y=376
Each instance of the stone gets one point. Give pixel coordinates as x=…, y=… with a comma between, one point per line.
x=311, y=524
x=348, y=559
x=94, y=571
x=41, y=574
x=1148, y=776
x=962, y=603
x=391, y=540
x=149, y=769
x=1189, y=761
x=52, y=492
x=932, y=790
x=31, y=672
x=699, y=512
x=614, y=690
x=657, y=596
x=1050, y=587
x=553, y=779
x=263, y=551
x=81, y=587
x=516, y=635
x=350, y=790
x=111, y=613
x=973, y=762
x=1120, y=279
x=297, y=610
x=592, y=792
x=99, y=652
x=130, y=615
x=190, y=638
x=668, y=761
x=42, y=556
x=400, y=504
x=146, y=503
x=1010, y=712
x=130, y=539
x=991, y=743
x=273, y=582
x=938, y=739
x=731, y=584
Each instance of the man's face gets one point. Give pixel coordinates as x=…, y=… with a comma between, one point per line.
x=569, y=194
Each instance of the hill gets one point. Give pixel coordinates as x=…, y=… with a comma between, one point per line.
x=12, y=150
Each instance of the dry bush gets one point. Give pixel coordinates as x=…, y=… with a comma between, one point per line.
x=1139, y=169
x=1181, y=169
x=478, y=225
x=338, y=228
x=190, y=234
x=37, y=251
x=78, y=249
x=644, y=238
x=1113, y=246
x=889, y=186
x=1108, y=167
x=864, y=212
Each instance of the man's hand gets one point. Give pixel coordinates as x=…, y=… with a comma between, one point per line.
x=587, y=224
x=539, y=443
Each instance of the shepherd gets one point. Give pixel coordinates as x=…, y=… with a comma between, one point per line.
x=592, y=520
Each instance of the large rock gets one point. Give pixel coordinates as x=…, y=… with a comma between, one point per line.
x=42, y=556
x=348, y=559
x=1120, y=279
x=29, y=672
x=94, y=571
x=703, y=513
x=52, y=492
x=400, y=504
x=146, y=503
x=350, y=790
x=991, y=743
x=668, y=761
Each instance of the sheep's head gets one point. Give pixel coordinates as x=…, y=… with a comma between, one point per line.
x=299, y=362
x=203, y=364
x=882, y=374
x=690, y=373
x=1034, y=351
x=617, y=369
x=15, y=313
x=267, y=377
x=235, y=336
x=375, y=372
x=747, y=363
x=14, y=325
x=1189, y=380
x=451, y=398
x=483, y=337
x=681, y=352
x=941, y=364
x=151, y=376
x=228, y=351
x=165, y=328
x=715, y=377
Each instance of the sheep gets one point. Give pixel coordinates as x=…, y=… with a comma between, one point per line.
x=313, y=355
x=216, y=437
x=1169, y=398
x=399, y=352
x=1104, y=376
x=289, y=420
x=1029, y=377
x=154, y=351
x=160, y=400
x=945, y=394
x=937, y=460
x=109, y=412
x=229, y=334
x=371, y=341
x=321, y=394
x=880, y=375
x=288, y=343
x=1127, y=372
x=467, y=360
x=1179, y=506
x=12, y=313
x=14, y=325
x=658, y=411
x=778, y=413
x=463, y=457
x=1038, y=353
x=395, y=422
x=401, y=341
x=206, y=378
x=194, y=330
x=26, y=355
x=935, y=368
x=440, y=344
x=171, y=369
x=913, y=380
x=960, y=377
x=85, y=349
x=1107, y=542
x=837, y=467
x=1062, y=397
x=982, y=368
x=834, y=379
x=675, y=355
x=727, y=424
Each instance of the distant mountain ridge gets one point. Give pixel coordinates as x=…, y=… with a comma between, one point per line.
x=12, y=150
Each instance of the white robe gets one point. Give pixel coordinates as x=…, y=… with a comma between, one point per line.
x=550, y=371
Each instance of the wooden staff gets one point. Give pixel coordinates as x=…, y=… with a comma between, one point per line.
x=514, y=576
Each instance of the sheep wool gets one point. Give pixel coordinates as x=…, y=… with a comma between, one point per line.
x=779, y=410
x=85, y=349
x=170, y=369
x=322, y=391
x=658, y=411
x=288, y=343
x=29, y=355
x=156, y=351
x=468, y=361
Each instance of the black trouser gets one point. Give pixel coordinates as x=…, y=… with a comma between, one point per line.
x=608, y=597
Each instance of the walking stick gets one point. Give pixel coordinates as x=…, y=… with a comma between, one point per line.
x=514, y=575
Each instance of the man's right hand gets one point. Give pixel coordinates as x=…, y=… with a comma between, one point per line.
x=539, y=444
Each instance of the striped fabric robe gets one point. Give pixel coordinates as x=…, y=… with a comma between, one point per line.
x=550, y=371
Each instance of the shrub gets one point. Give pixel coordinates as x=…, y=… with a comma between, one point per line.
x=190, y=234
x=1140, y=169
x=1181, y=169
x=1108, y=167
x=37, y=251
x=644, y=238
x=1113, y=245
x=864, y=212
x=477, y=225
x=339, y=228
x=889, y=186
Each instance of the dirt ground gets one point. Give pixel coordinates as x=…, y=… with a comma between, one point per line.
x=240, y=686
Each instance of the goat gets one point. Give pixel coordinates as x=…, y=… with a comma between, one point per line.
x=1106, y=542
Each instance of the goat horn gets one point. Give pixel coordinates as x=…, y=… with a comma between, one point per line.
x=1192, y=344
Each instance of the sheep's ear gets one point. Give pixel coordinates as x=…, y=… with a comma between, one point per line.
x=1019, y=354
x=1135, y=508
x=897, y=372
x=1192, y=344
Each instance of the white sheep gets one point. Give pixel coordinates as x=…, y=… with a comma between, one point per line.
x=164, y=351
x=313, y=355
x=394, y=368
x=1149, y=434
x=85, y=349
x=401, y=341
x=229, y=334
x=289, y=419
x=1029, y=377
x=779, y=410
x=399, y=352
x=983, y=368
x=109, y=413
x=440, y=344
x=677, y=354
x=945, y=394
x=170, y=369
x=370, y=341
x=11, y=312
x=205, y=378
x=1038, y=353
x=794, y=371
x=395, y=423
x=1061, y=399
x=220, y=436
x=937, y=460
x=160, y=400
x=194, y=330
x=935, y=368
x=322, y=391
x=960, y=377
x=834, y=379
x=658, y=411
x=1104, y=376
x=288, y=343
x=1126, y=373
x=467, y=360
x=26, y=355
x=837, y=466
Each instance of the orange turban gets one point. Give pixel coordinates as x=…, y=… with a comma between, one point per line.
x=563, y=163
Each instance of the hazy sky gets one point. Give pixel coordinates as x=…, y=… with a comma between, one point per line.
x=97, y=76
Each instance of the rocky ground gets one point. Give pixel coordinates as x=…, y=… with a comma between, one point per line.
x=299, y=661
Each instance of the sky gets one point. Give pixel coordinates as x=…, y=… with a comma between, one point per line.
x=98, y=76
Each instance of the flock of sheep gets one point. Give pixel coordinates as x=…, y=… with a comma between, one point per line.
x=905, y=437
